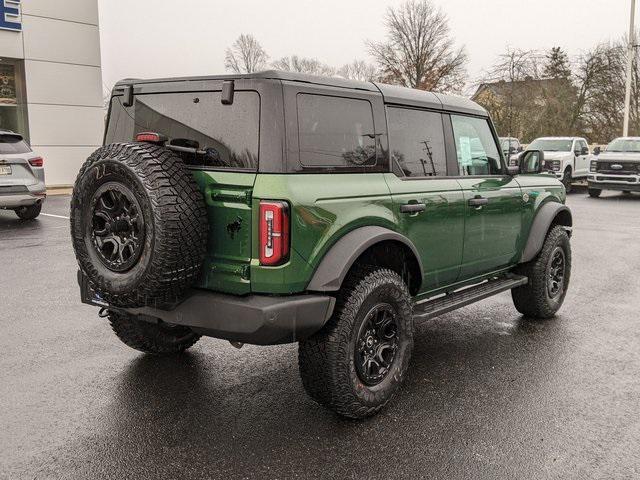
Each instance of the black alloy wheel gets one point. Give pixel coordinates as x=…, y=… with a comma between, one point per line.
x=377, y=344
x=556, y=273
x=117, y=226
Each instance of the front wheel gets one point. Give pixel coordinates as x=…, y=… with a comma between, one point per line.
x=357, y=362
x=567, y=180
x=594, y=192
x=29, y=213
x=548, y=275
x=154, y=338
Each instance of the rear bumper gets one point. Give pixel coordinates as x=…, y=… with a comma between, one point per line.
x=21, y=199
x=625, y=183
x=255, y=319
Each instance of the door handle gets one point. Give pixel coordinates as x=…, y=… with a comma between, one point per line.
x=478, y=201
x=412, y=208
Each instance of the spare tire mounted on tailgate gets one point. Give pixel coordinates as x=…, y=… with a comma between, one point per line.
x=138, y=225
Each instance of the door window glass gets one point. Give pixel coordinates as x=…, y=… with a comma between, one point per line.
x=582, y=144
x=475, y=146
x=335, y=131
x=416, y=142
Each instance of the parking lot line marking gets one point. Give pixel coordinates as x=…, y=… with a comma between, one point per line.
x=56, y=216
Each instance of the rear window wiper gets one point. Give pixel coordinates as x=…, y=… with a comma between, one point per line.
x=210, y=153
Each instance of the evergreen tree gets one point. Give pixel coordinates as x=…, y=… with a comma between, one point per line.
x=556, y=64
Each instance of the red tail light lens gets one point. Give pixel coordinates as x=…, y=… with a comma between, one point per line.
x=152, y=137
x=36, y=162
x=274, y=232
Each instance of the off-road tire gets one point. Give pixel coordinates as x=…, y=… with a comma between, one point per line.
x=153, y=338
x=327, y=359
x=175, y=224
x=533, y=299
x=30, y=212
x=594, y=192
x=567, y=179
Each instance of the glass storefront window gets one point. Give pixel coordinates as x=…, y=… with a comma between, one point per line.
x=13, y=111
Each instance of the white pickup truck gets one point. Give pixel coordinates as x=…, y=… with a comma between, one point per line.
x=569, y=157
x=617, y=167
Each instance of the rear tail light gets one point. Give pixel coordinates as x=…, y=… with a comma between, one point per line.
x=151, y=137
x=274, y=232
x=36, y=162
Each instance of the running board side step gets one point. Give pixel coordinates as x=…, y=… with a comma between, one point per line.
x=466, y=296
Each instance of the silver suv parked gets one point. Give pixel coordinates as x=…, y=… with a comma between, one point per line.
x=22, y=186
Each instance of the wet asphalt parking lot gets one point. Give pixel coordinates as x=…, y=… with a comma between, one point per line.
x=488, y=395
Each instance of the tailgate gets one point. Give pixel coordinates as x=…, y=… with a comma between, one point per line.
x=228, y=199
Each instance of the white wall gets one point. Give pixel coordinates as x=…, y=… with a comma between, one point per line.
x=60, y=44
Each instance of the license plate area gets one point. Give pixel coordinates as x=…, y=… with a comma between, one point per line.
x=87, y=294
x=5, y=169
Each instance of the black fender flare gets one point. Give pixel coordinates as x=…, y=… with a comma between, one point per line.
x=335, y=265
x=540, y=226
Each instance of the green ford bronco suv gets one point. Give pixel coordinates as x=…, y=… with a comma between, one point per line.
x=278, y=207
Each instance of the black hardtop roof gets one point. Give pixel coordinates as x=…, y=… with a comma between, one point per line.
x=392, y=94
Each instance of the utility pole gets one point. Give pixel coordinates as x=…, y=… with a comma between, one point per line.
x=631, y=54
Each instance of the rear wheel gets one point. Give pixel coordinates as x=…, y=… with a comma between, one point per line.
x=30, y=212
x=594, y=192
x=356, y=363
x=154, y=338
x=548, y=275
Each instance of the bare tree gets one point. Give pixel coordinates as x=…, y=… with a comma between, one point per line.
x=312, y=66
x=601, y=79
x=359, y=70
x=246, y=55
x=514, y=65
x=419, y=51
x=509, y=91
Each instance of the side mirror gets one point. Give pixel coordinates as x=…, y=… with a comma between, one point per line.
x=520, y=148
x=584, y=151
x=531, y=161
x=596, y=151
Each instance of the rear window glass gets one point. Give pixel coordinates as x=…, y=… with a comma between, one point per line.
x=335, y=132
x=209, y=133
x=13, y=144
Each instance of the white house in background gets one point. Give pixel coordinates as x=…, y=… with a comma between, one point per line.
x=51, y=81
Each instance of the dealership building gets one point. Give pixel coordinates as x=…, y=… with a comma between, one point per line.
x=51, y=81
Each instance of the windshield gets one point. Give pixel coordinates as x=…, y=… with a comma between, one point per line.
x=624, y=145
x=551, y=145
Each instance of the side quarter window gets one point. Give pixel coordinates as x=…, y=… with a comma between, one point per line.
x=335, y=132
x=476, y=148
x=416, y=142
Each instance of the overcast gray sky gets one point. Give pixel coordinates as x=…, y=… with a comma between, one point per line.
x=152, y=38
